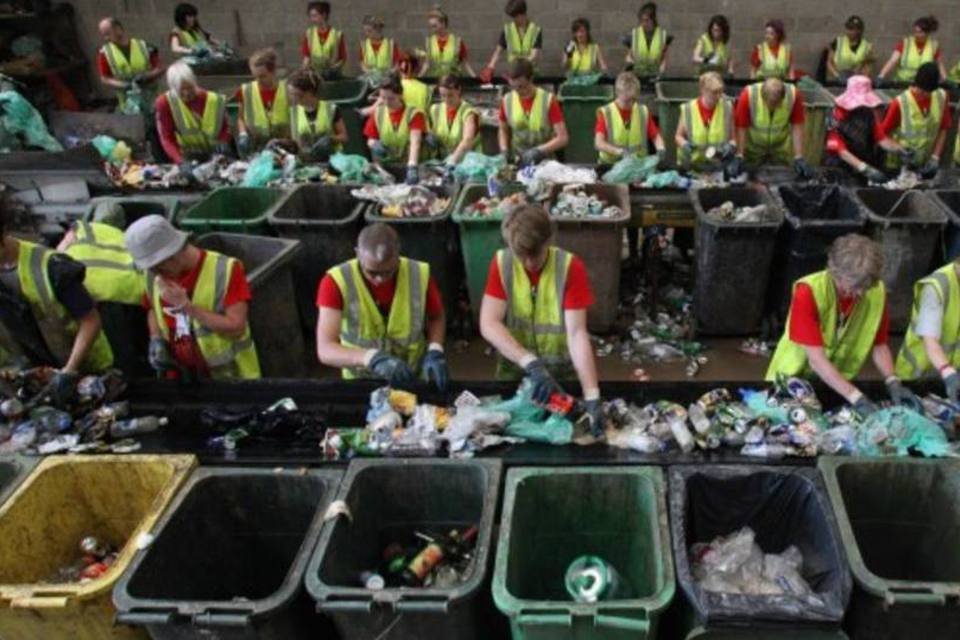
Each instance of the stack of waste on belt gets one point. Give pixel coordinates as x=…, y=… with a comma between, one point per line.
x=283, y=421
x=403, y=201
x=785, y=420
x=36, y=421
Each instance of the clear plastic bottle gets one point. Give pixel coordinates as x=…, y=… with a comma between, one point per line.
x=592, y=579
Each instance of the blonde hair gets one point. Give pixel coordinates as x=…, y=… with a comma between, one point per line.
x=711, y=81
x=627, y=83
x=856, y=260
x=527, y=230
x=266, y=58
x=374, y=22
x=773, y=90
x=437, y=12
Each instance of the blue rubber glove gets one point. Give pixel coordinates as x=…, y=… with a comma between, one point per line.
x=803, y=170
x=435, y=369
x=903, y=396
x=531, y=157
x=393, y=370
x=244, y=144
x=594, y=409
x=413, y=176
x=543, y=383
x=379, y=151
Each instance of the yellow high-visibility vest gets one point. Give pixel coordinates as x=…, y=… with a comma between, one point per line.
x=380, y=60
x=323, y=54
x=395, y=138
x=769, y=138
x=702, y=136
x=774, y=66
x=648, y=54
x=846, y=60
x=305, y=131
x=708, y=48
x=449, y=133
x=197, y=137
x=518, y=47
x=111, y=274
x=632, y=136
x=918, y=130
x=528, y=129
x=444, y=61
x=912, y=58
x=262, y=124
x=912, y=362
x=584, y=61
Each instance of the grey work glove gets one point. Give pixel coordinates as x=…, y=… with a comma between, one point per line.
x=686, y=151
x=803, y=170
x=159, y=356
x=63, y=388
x=594, y=409
x=727, y=151
x=223, y=149
x=907, y=156
x=951, y=384
x=903, y=396
x=865, y=407
x=878, y=82
x=930, y=169
x=531, y=157
x=435, y=369
x=872, y=174
x=734, y=168
x=379, y=151
x=413, y=175
x=543, y=383
x=244, y=144
x=393, y=370
x=186, y=171
x=431, y=141
x=320, y=150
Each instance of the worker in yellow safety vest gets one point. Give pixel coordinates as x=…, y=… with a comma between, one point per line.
x=531, y=122
x=712, y=51
x=395, y=130
x=705, y=135
x=316, y=125
x=521, y=38
x=932, y=342
x=648, y=44
x=381, y=315
x=197, y=305
x=838, y=318
x=534, y=311
x=850, y=54
x=377, y=53
x=624, y=127
x=322, y=47
x=769, y=119
x=444, y=52
x=111, y=275
x=454, y=124
x=191, y=121
x=773, y=58
x=127, y=64
x=264, y=107
x=188, y=38
x=916, y=125
x=913, y=52
x=582, y=56
x=47, y=311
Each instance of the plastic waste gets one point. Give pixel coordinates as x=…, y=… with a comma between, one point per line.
x=631, y=169
x=19, y=117
x=261, y=170
x=477, y=167
x=592, y=579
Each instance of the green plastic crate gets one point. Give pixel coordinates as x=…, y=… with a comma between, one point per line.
x=580, y=104
x=232, y=209
x=818, y=104
x=480, y=239
x=552, y=516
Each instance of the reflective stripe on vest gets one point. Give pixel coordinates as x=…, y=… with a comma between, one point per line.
x=917, y=130
x=380, y=60
x=583, y=62
x=535, y=315
x=450, y=133
x=416, y=94
x=633, y=137
x=395, y=138
x=227, y=358
x=848, y=348
x=769, y=138
x=446, y=60
x=123, y=68
x=774, y=66
x=703, y=137
x=362, y=326
x=262, y=124
x=647, y=55
x=912, y=59
x=323, y=54
x=528, y=129
x=912, y=362
x=197, y=137
x=305, y=131
x=518, y=47
x=707, y=49
x=845, y=59
x=111, y=274
x=58, y=328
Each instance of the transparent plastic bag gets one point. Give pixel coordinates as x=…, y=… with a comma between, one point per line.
x=631, y=169
x=19, y=117
x=477, y=167
x=261, y=170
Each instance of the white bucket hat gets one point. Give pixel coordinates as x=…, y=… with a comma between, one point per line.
x=151, y=240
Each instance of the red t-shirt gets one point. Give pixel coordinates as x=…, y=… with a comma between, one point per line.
x=555, y=115
x=741, y=114
x=625, y=114
x=577, y=295
x=305, y=44
x=168, y=130
x=185, y=349
x=706, y=113
x=805, y=319
x=329, y=296
x=892, y=120
x=756, y=60
x=371, y=131
x=397, y=58
x=835, y=141
x=104, y=67
x=920, y=47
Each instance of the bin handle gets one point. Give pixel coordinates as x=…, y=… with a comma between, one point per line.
x=223, y=619
x=622, y=623
x=427, y=606
x=143, y=618
x=545, y=619
x=40, y=602
x=895, y=597
x=345, y=606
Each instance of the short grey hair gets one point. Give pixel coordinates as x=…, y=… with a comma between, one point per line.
x=856, y=260
x=179, y=73
x=379, y=242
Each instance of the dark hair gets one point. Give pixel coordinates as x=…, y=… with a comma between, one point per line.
x=323, y=8
x=437, y=12
x=927, y=24
x=391, y=82
x=450, y=81
x=515, y=8
x=723, y=23
x=306, y=80
x=520, y=68
x=577, y=24
x=649, y=9
x=855, y=23
x=186, y=10
x=777, y=26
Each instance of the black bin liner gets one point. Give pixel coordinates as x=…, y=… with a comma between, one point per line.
x=784, y=507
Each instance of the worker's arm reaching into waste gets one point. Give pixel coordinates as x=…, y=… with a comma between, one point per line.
x=88, y=328
x=581, y=352
x=470, y=131
x=493, y=328
x=832, y=377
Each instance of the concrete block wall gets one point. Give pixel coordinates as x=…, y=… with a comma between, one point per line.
x=810, y=24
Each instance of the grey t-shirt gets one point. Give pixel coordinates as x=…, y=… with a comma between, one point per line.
x=930, y=314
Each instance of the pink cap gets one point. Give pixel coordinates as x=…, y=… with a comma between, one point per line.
x=859, y=93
